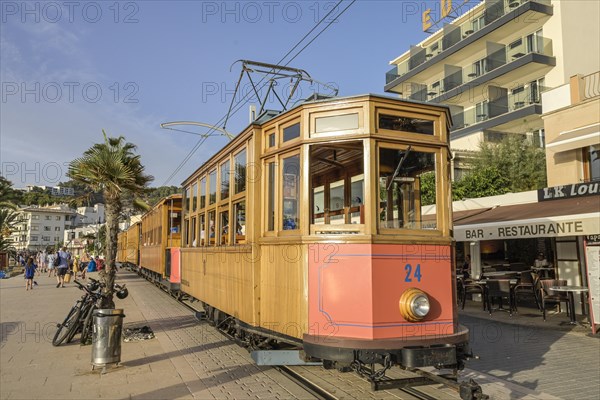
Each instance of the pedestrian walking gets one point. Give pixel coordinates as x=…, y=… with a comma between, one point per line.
x=30, y=268
x=51, y=267
x=63, y=267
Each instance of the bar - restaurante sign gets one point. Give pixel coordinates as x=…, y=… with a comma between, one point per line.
x=568, y=191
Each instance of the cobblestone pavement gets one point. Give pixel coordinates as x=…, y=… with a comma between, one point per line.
x=188, y=359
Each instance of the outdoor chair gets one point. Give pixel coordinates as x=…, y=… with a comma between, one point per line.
x=499, y=289
x=548, y=296
x=471, y=287
x=526, y=286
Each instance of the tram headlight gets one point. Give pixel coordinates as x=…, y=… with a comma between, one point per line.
x=414, y=305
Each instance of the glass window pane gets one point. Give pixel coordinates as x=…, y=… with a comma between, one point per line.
x=239, y=210
x=193, y=233
x=211, y=227
x=212, y=191
x=203, y=193
x=291, y=132
x=271, y=198
x=291, y=193
x=357, y=184
x=336, y=203
x=336, y=123
x=272, y=140
x=202, y=230
x=406, y=124
x=319, y=205
x=186, y=200
x=194, y=197
x=240, y=171
x=594, y=162
x=403, y=182
x=224, y=180
x=224, y=228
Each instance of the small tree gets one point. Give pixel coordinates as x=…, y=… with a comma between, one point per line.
x=517, y=159
x=112, y=168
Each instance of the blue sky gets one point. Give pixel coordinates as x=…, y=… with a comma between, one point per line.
x=70, y=70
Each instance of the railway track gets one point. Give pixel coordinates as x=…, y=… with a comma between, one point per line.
x=331, y=384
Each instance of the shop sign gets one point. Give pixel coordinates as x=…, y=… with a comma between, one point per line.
x=568, y=191
x=592, y=240
x=542, y=227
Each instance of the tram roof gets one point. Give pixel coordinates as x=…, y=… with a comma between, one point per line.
x=267, y=115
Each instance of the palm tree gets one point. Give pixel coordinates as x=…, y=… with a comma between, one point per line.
x=112, y=168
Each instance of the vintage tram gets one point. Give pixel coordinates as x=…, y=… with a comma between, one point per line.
x=329, y=227
x=159, y=243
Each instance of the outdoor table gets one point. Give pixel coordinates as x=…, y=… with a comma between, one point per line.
x=570, y=290
x=512, y=283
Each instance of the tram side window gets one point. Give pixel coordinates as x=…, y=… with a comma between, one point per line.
x=406, y=179
x=193, y=238
x=240, y=171
x=194, y=197
x=186, y=200
x=212, y=190
x=202, y=193
x=202, y=230
x=239, y=215
x=224, y=180
x=211, y=227
x=224, y=228
x=291, y=132
x=186, y=223
x=291, y=193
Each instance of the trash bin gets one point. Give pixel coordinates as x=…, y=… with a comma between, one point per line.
x=106, y=337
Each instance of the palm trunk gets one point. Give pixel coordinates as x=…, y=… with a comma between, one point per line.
x=113, y=209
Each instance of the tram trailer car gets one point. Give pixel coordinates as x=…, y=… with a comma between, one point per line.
x=329, y=227
x=129, y=246
x=160, y=242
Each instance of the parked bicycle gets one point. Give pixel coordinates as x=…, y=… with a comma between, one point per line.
x=80, y=317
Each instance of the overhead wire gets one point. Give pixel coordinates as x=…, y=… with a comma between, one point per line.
x=242, y=102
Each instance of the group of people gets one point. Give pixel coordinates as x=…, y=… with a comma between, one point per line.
x=58, y=264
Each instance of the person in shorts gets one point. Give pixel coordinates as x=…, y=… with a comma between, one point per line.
x=63, y=267
x=30, y=268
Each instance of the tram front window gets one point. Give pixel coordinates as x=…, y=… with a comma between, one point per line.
x=337, y=185
x=403, y=186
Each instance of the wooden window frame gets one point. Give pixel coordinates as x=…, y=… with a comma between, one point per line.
x=265, y=190
x=279, y=194
x=438, y=231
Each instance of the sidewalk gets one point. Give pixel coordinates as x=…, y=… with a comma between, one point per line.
x=188, y=359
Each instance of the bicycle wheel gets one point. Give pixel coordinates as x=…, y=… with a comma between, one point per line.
x=76, y=327
x=86, y=330
x=68, y=324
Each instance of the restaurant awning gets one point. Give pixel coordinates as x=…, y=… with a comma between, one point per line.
x=576, y=139
x=562, y=217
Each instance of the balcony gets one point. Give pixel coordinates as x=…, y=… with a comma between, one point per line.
x=456, y=37
x=500, y=110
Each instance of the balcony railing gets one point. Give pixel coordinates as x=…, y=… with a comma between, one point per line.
x=464, y=30
x=502, y=105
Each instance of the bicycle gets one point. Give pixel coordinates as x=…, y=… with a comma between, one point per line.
x=80, y=317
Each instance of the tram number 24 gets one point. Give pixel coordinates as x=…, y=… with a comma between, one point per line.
x=409, y=271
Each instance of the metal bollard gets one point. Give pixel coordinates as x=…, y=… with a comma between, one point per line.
x=106, y=338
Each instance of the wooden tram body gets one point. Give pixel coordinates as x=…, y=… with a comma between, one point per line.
x=160, y=242
x=128, y=245
x=315, y=227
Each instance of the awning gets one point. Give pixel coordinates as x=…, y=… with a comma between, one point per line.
x=576, y=139
x=564, y=217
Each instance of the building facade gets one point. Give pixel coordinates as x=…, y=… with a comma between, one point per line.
x=54, y=190
x=90, y=215
x=572, y=124
x=491, y=65
x=41, y=227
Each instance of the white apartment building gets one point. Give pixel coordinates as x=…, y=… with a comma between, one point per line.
x=40, y=227
x=90, y=215
x=54, y=190
x=491, y=64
